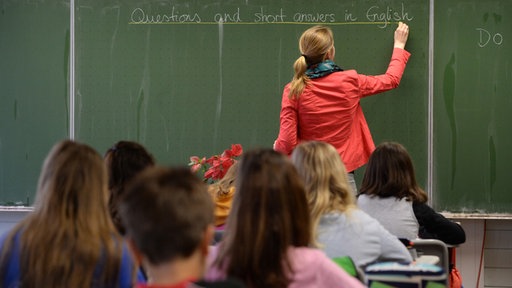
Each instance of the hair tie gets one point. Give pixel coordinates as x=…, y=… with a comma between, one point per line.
x=304, y=55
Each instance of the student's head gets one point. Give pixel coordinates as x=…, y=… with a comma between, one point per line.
x=168, y=215
x=316, y=45
x=269, y=215
x=325, y=178
x=73, y=185
x=390, y=173
x=70, y=224
x=124, y=161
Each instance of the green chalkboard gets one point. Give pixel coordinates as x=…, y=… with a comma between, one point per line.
x=187, y=77
x=472, y=106
x=34, y=48
x=191, y=77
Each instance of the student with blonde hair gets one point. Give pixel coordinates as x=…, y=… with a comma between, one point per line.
x=267, y=237
x=339, y=227
x=69, y=239
x=324, y=100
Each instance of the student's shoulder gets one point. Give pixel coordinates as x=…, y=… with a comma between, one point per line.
x=363, y=197
x=423, y=211
x=306, y=260
x=304, y=252
x=361, y=215
x=11, y=237
x=362, y=218
x=370, y=226
x=364, y=200
x=303, y=258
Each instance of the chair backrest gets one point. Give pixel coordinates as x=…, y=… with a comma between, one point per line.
x=432, y=247
x=347, y=264
x=416, y=274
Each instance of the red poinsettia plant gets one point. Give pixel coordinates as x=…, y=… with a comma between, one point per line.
x=215, y=167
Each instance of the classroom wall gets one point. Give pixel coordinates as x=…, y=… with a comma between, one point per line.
x=497, y=252
x=491, y=250
x=468, y=254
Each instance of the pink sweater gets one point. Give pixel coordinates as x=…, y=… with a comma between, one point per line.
x=311, y=269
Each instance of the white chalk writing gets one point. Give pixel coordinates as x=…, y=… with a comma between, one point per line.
x=349, y=17
x=387, y=14
x=228, y=18
x=486, y=37
x=316, y=17
x=139, y=16
x=382, y=16
x=261, y=16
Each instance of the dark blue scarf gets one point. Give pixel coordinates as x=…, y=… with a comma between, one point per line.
x=322, y=69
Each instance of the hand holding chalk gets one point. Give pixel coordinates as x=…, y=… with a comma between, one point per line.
x=401, y=34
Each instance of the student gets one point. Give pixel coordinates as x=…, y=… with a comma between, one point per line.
x=168, y=216
x=267, y=237
x=389, y=193
x=222, y=193
x=339, y=227
x=324, y=100
x=69, y=239
x=124, y=161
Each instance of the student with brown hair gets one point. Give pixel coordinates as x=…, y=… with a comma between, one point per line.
x=339, y=227
x=69, y=239
x=168, y=216
x=389, y=192
x=124, y=161
x=322, y=102
x=268, y=233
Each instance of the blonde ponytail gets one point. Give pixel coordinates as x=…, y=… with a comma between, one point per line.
x=300, y=80
x=313, y=45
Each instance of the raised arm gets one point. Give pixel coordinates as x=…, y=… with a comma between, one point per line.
x=370, y=85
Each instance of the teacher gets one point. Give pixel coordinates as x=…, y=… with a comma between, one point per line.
x=322, y=102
